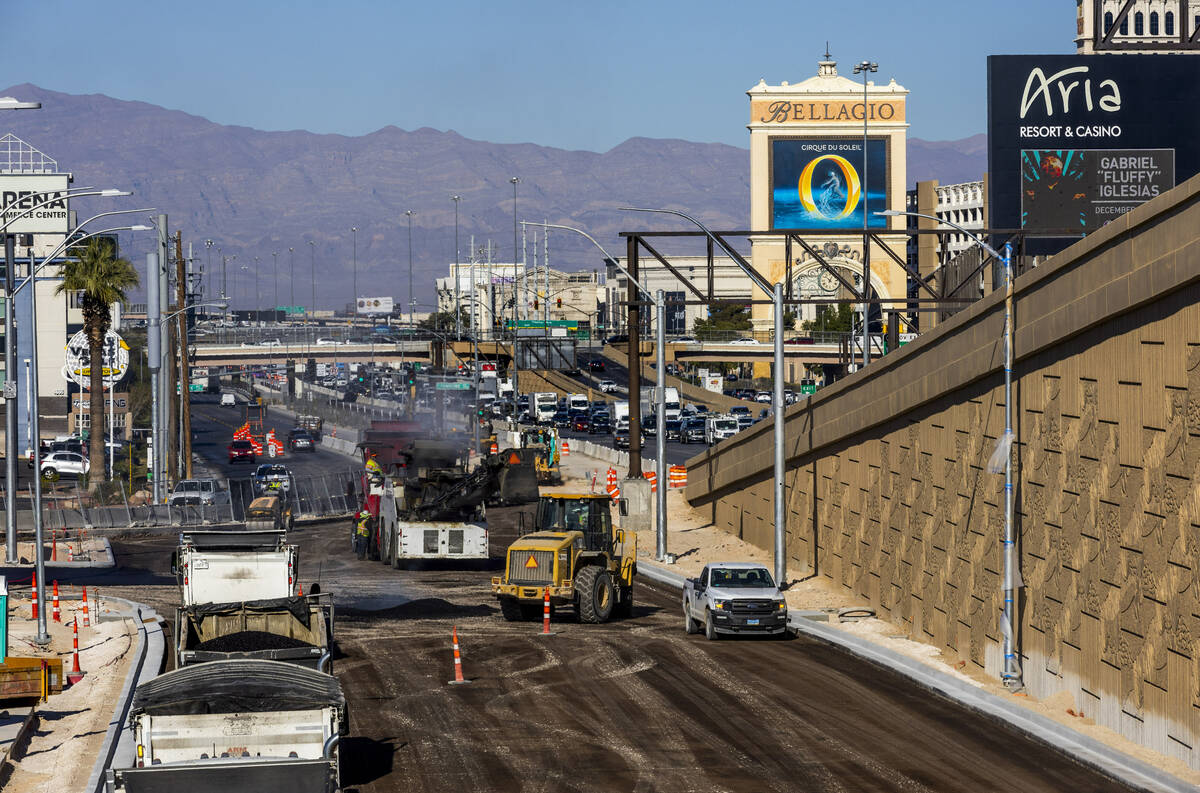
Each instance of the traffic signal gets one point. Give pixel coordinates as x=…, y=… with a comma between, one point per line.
x=412, y=379
x=535, y=304
x=559, y=301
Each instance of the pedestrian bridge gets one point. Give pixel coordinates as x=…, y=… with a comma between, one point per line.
x=888, y=494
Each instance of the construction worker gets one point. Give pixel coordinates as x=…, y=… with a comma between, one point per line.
x=362, y=533
x=374, y=481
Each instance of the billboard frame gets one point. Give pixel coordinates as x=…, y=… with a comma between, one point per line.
x=886, y=140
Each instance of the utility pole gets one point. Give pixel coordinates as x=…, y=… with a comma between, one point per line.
x=154, y=361
x=10, y=402
x=185, y=379
x=161, y=450
x=634, y=328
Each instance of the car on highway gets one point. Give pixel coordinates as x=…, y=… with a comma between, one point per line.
x=763, y=396
x=731, y=377
x=732, y=598
x=228, y=400
x=599, y=425
x=621, y=439
x=742, y=414
x=270, y=343
x=199, y=492
x=607, y=386
x=580, y=423
x=342, y=381
x=299, y=439
x=687, y=340
x=650, y=426
x=561, y=418
x=692, y=431
x=327, y=342
x=674, y=430
x=271, y=477
x=620, y=338
x=744, y=342
x=241, y=452
x=596, y=365
x=58, y=464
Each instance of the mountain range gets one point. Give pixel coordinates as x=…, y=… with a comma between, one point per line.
x=257, y=192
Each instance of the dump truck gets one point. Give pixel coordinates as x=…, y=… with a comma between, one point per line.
x=294, y=629
x=235, y=725
x=576, y=554
x=234, y=565
x=436, y=510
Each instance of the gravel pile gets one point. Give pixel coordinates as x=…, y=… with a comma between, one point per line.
x=249, y=641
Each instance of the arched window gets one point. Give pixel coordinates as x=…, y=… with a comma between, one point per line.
x=1138, y=25
x=1169, y=23
x=1108, y=17
x=1153, y=23
x=1124, y=29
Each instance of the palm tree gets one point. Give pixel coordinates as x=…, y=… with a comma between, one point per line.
x=101, y=278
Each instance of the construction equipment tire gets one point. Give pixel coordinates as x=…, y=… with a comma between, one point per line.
x=624, y=606
x=511, y=610
x=596, y=595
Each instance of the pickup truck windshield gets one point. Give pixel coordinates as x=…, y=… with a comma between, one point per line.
x=754, y=578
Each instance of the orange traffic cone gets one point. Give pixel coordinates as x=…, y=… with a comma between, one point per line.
x=76, y=674
x=53, y=545
x=546, y=614
x=458, y=674
x=87, y=619
x=33, y=596
x=299, y=589
x=55, y=612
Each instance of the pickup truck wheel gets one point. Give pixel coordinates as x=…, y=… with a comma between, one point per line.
x=710, y=630
x=595, y=589
x=510, y=609
x=689, y=624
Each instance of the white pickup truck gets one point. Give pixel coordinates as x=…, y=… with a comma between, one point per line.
x=733, y=597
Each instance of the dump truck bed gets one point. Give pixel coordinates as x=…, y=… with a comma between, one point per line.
x=295, y=630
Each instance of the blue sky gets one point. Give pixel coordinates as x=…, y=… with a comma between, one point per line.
x=572, y=75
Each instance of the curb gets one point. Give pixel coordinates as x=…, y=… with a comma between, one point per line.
x=151, y=644
x=17, y=743
x=1084, y=749
x=108, y=561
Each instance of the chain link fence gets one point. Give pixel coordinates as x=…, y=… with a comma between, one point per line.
x=67, y=506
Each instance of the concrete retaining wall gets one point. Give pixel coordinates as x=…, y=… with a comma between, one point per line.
x=888, y=494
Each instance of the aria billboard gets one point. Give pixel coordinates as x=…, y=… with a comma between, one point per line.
x=818, y=183
x=1075, y=141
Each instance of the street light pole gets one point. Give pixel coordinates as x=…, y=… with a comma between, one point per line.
x=312, y=306
x=457, y=285
x=275, y=281
x=292, y=278
x=354, y=301
x=257, y=298
x=411, y=319
x=864, y=69
x=516, y=315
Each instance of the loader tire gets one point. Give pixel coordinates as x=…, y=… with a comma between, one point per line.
x=595, y=589
x=624, y=606
x=511, y=610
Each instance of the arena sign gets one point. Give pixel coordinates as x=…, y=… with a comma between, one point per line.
x=44, y=194
x=1075, y=141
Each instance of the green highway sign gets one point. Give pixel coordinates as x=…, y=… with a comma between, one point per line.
x=452, y=386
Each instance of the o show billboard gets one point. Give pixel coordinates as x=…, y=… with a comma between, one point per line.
x=1075, y=141
x=818, y=183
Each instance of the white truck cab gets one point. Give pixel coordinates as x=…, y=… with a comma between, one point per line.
x=731, y=598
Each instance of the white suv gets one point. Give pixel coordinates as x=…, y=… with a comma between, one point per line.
x=56, y=464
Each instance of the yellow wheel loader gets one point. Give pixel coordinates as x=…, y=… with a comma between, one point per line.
x=577, y=554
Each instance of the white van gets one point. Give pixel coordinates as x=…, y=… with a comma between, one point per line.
x=228, y=400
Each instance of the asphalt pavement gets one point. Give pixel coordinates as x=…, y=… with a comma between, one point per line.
x=633, y=705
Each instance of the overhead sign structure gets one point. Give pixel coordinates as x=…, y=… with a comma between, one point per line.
x=21, y=192
x=818, y=183
x=375, y=305
x=1075, y=141
x=114, y=363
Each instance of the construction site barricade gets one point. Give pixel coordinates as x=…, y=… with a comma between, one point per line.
x=677, y=476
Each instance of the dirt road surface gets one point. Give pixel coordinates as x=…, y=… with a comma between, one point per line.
x=634, y=705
